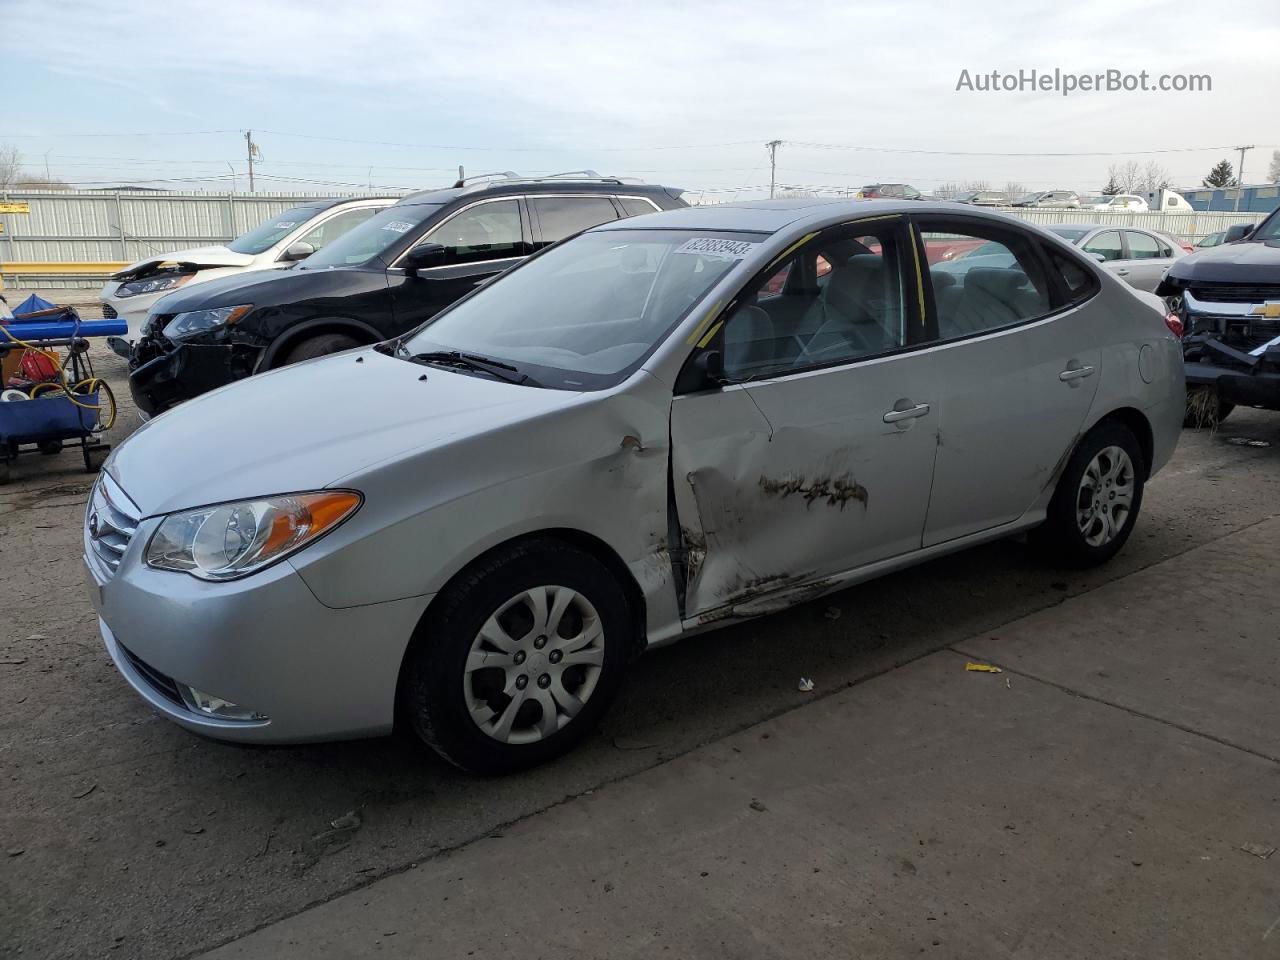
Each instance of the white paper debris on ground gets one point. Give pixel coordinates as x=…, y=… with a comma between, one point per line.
x=806, y=685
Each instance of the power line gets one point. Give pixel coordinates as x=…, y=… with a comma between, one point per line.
x=992, y=153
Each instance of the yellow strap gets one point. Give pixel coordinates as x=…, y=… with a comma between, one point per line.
x=693, y=337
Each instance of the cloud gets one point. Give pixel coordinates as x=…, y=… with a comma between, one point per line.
x=593, y=76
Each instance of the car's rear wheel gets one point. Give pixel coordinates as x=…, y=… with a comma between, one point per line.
x=319, y=346
x=518, y=659
x=1097, y=500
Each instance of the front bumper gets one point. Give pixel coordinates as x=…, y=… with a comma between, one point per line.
x=163, y=375
x=264, y=642
x=1236, y=385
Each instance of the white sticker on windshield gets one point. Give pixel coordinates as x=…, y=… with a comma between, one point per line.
x=713, y=247
x=286, y=224
x=399, y=226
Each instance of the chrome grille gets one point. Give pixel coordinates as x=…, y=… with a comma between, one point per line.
x=110, y=521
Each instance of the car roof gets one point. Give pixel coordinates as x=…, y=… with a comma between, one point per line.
x=328, y=203
x=770, y=216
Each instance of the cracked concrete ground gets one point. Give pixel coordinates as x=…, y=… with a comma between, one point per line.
x=1125, y=711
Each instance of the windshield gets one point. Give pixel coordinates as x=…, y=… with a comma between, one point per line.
x=1074, y=234
x=585, y=314
x=266, y=235
x=1270, y=228
x=372, y=238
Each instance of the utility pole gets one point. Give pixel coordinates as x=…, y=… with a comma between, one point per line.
x=251, y=149
x=1240, y=175
x=772, y=146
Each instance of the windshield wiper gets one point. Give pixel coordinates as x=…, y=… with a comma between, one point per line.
x=471, y=361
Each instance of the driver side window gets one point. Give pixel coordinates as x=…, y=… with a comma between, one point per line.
x=838, y=299
x=487, y=231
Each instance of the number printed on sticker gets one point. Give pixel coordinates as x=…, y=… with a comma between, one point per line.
x=398, y=226
x=715, y=247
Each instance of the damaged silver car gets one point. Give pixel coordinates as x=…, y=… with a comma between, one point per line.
x=665, y=424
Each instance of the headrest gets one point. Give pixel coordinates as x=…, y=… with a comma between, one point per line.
x=1000, y=283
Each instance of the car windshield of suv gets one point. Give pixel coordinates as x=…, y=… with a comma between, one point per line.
x=266, y=235
x=1074, y=234
x=1270, y=229
x=373, y=237
x=585, y=314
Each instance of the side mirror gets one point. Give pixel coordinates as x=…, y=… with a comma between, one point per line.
x=1099, y=257
x=1237, y=232
x=297, y=251
x=711, y=364
x=424, y=255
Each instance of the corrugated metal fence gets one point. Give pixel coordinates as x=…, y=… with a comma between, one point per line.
x=78, y=238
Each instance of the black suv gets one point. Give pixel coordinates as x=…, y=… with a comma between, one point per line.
x=385, y=277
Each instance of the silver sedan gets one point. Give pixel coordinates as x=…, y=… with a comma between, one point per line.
x=1139, y=257
x=661, y=426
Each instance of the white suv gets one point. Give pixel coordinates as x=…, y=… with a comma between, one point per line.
x=285, y=238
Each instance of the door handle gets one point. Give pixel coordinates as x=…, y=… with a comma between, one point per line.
x=919, y=410
x=1075, y=373
x=1122, y=272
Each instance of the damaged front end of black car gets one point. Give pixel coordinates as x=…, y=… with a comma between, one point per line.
x=181, y=356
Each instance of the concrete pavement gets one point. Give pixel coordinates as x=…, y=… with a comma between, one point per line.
x=1094, y=800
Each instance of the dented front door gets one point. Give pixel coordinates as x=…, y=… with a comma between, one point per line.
x=782, y=483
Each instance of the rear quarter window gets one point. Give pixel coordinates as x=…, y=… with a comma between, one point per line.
x=1076, y=281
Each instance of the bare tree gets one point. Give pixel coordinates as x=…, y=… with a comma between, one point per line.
x=1273, y=174
x=1013, y=190
x=10, y=164
x=1154, y=177
x=34, y=182
x=1127, y=176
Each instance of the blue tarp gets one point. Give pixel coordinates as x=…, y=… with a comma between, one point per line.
x=33, y=304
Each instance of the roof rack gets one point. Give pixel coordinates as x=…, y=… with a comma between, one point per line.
x=502, y=175
x=575, y=176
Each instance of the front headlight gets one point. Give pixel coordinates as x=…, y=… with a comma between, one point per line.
x=158, y=284
x=230, y=540
x=202, y=321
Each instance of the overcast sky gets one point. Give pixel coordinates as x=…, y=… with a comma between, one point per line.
x=684, y=93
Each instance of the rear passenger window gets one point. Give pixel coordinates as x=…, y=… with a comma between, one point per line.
x=1142, y=246
x=560, y=217
x=634, y=208
x=982, y=278
x=837, y=300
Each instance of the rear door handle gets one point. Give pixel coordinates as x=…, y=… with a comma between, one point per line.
x=919, y=410
x=1122, y=272
x=1075, y=373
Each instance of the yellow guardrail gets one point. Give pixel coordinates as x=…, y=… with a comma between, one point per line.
x=67, y=268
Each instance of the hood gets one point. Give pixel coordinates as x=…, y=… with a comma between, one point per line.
x=286, y=285
x=1245, y=262
x=196, y=256
x=304, y=427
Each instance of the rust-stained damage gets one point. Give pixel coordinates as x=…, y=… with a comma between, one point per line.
x=833, y=491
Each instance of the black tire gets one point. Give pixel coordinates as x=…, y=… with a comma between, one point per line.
x=1059, y=539
x=433, y=698
x=50, y=447
x=319, y=346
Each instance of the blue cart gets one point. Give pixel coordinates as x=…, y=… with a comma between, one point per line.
x=69, y=409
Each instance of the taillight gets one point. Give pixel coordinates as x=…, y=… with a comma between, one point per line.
x=1174, y=324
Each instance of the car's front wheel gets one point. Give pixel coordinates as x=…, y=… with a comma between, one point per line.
x=320, y=346
x=1097, y=500
x=519, y=658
